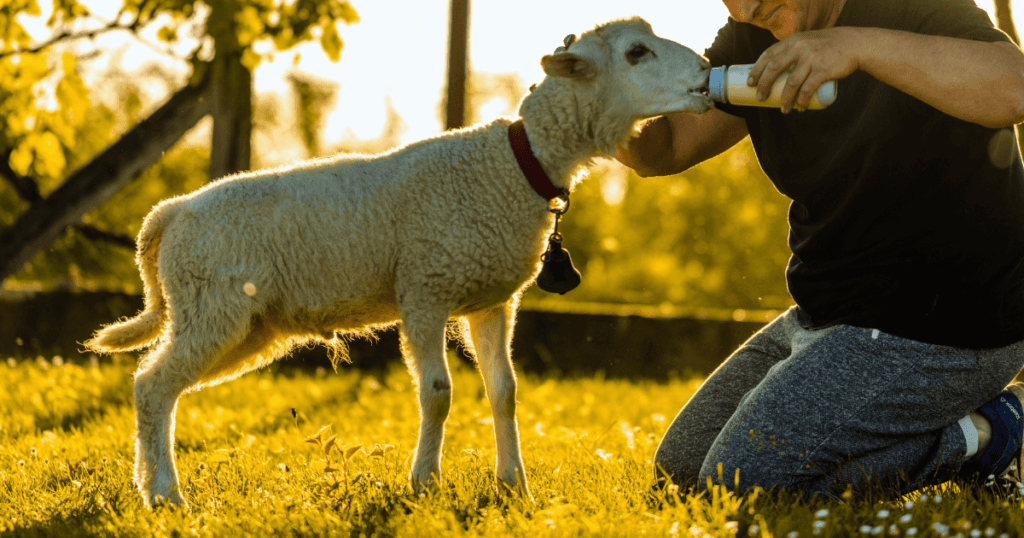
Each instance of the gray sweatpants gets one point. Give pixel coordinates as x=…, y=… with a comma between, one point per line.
x=814, y=411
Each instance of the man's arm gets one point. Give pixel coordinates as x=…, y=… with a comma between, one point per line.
x=673, y=143
x=975, y=81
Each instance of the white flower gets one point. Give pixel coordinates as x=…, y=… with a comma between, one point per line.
x=882, y=514
x=906, y=518
x=821, y=513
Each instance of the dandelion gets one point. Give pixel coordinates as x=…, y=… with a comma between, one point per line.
x=975, y=533
x=937, y=498
x=793, y=534
x=11, y=362
x=990, y=532
x=894, y=530
x=912, y=531
x=875, y=531
x=249, y=289
x=941, y=529
x=57, y=361
x=865, y=529
x=820, y=514
x=754, y=530
x=819, y=524
x=906, y=518
x=923, y=498
x=908, y=505
x=882, y=514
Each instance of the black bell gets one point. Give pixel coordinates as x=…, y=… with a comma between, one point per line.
x=557, y=274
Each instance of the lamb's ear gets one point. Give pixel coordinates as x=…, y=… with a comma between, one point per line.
x=567, y=65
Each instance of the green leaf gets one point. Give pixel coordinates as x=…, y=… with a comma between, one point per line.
x=331, y=42
x=50, y=161
x=167, y=33
x=250, y=60
x=329, y=445
x=351, y=451
x=21, y=158
x=348, y=13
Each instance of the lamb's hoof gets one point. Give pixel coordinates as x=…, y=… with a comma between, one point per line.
x=423, y=486
x=515, y=489
x=173, y=501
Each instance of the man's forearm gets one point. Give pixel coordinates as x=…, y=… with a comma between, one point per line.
x=975, y=81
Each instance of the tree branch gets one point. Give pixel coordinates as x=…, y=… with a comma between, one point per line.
x=65, y=35
x=97, y=181
x=24, y=186
x=95, y=234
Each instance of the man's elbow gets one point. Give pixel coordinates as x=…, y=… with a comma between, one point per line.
x=1011, y=109
x=651, y=153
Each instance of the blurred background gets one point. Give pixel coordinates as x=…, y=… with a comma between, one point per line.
x=110, y=106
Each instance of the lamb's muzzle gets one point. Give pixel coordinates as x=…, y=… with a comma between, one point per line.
x=241, y=271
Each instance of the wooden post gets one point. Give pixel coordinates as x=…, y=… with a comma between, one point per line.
x=458, y=45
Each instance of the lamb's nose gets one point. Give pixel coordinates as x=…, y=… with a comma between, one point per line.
x=703, y=63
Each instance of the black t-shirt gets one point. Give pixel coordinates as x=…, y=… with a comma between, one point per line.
x=904, y=219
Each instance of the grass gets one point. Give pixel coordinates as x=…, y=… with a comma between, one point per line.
x=249, y=467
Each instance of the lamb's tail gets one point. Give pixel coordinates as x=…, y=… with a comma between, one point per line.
x=143, y=329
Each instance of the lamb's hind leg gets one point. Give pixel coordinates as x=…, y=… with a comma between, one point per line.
x=189, y=358
x=423, y=346
x=158, y=384
x=491, y=332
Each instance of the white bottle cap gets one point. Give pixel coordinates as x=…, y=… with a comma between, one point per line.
x=716, y=84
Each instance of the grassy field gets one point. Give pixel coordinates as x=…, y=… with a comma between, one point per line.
x=247, y=468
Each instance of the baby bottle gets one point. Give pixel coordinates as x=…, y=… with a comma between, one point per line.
x=728, y=84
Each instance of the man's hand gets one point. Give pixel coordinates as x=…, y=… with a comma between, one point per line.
x=815, y=58
x=975, y=81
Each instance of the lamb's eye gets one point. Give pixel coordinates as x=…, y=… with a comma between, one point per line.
x=637, y=52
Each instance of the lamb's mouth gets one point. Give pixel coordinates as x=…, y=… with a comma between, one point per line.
x=702, y=92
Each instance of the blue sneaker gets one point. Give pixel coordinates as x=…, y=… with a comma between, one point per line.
x=1002, y=459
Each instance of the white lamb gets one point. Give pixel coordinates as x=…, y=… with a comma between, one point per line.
x=241, y=271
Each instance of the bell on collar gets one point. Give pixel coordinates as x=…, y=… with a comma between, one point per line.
x=557, y=274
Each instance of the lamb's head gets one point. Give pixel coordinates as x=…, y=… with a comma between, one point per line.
x=621, y=73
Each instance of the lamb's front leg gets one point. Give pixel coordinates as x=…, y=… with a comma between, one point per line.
x=423, y=346
x=491, y=332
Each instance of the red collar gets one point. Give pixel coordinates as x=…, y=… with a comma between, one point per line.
x=530, y=165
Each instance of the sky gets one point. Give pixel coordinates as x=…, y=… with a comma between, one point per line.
x=398, y=51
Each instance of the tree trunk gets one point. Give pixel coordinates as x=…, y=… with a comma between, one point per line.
x=231, y=148
x=458, y=38
x=97, y=181
x=232, y=95
x=1004, y=20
